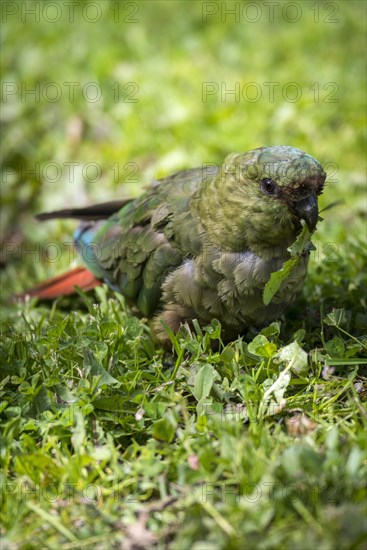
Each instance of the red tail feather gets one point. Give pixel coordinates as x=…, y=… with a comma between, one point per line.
x=63, y=285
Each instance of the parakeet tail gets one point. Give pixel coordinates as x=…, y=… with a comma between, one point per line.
x=88, y=213
x=62, y=285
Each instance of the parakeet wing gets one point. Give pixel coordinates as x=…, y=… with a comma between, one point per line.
x=138, y=246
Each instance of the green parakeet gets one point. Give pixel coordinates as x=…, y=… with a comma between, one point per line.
x=202, y=243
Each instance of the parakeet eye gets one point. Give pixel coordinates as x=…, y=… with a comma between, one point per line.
x=268, y=186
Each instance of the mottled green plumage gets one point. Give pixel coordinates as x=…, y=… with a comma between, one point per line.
x=202, y=243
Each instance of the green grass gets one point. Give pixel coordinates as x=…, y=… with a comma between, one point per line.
x=108, y=440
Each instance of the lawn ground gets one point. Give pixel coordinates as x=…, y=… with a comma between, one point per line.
x=106, y=440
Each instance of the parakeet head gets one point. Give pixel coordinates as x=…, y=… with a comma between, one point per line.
x=259, y=198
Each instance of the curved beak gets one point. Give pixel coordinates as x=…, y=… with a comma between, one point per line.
x=307, y=209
